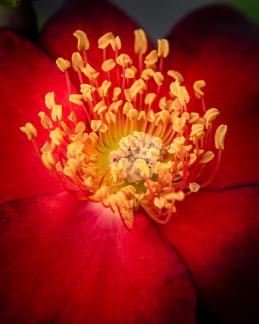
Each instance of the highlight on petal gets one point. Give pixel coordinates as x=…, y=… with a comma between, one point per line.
x=217, y=44
x=70, y=261
x=25, y=74
x=217, y=235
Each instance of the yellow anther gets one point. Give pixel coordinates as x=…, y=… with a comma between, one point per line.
x=75, y=149
x=179, y=196
x=124, y=60
x=80, y=127
x=151, y=117
x=174, y=88
x=108, y=65
x=163, y=47
x=142, y=115
x=87, y=91
x=197, y=131
x=159, y=78
x=179, y=124
x=207, y=157
x=29, y=130
x=56, y=113
x=72, y=167
x=194, y=117
x=77, y=61
x=137, y=87
x=159, y=202
x=88, y=181
x=116, y=93
x=82, y=40
x=98, y=126
x=133, y=114
x=149, y=99
x=48, y=159
x=116, y=43
x=127, y=107
x=46, y=147
x=210, y=115
x=57, y=136
x=110, y=117
x=147, y=74
x=163, y=116
x=103, y=90
x=220, y=136
x=197, y=86
x=127, y=95
x=177, y=76
x=100, y=107
x=50, y=100
x=105, y=40
x=72, y=117
x=151, y=58
x=183, y=95
x=140, y=43
x=90, y=72
x=65, y=128
x=114, y=107
x=162, y=103
x=76, y=99
x=45, y=120
x=130, y=73
x=194, y=186
x=62, y=64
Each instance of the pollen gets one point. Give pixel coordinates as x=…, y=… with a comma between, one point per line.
x=132, y=136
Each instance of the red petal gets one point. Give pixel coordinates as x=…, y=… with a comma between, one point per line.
x=26, y=74
x=95, y=18
x=68, y=261
x=218, y=45
x=239, y=164
x=217, y=235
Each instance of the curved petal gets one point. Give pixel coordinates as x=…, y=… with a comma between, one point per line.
x=217, y=235
x=218, y=45
x=26, y=74
x=94, y=17
x=68, y=261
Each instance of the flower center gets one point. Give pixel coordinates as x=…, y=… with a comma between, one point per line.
x=127, y=138
x=136, y=158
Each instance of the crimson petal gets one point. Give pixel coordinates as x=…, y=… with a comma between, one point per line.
x=70, y=261
x=220, y=46
x=26, y=74
x=217, y=235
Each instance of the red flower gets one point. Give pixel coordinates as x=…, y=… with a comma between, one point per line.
x=65, y=260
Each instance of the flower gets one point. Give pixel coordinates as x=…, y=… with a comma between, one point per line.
x=78, y=253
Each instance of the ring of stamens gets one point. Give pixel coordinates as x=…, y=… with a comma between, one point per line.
x=135, y=147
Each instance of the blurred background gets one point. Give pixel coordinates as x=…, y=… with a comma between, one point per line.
x=156, y=16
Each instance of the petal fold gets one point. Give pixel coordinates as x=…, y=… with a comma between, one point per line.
x=68, y=261
x=217, y=235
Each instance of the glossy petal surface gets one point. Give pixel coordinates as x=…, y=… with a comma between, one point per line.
x=68, y=261
x=217, y=235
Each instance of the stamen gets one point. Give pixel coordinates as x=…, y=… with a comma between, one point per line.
x=120, y=142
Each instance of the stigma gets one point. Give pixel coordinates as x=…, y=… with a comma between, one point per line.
x=128, y=138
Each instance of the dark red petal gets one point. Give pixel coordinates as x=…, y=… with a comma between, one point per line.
x=68, y=261
x=240, y=158
x=26, y=74
x=95, y=18
x=218, y=45
x=217, y=235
